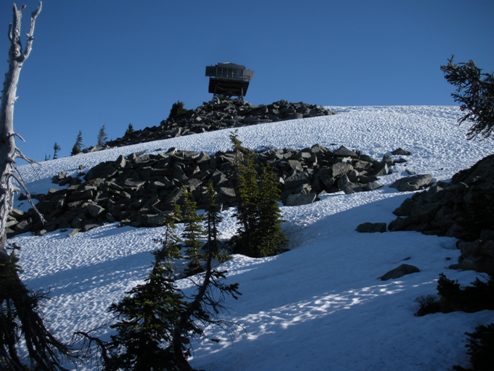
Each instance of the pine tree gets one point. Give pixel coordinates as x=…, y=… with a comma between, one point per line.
x=207, y=301
x=102, y=138
x=77, y=147
x=129, y=131
x=178, y=109
x=193, y=232
x=258, y=212
x=148, y=314
x=56, y=149
x=474, y=93
x=272, y=238
x=157, y=320
x=247, y=191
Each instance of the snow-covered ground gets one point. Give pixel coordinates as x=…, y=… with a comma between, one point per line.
x=319, y=306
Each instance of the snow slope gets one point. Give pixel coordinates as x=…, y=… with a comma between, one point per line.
x=319, y=306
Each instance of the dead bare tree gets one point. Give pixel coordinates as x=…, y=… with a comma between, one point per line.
x=18, y=306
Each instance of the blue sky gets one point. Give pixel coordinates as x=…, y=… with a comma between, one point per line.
x=113, y=62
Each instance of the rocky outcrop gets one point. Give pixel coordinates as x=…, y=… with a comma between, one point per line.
x=221, y=114
x=462, y=208
x=140, y=189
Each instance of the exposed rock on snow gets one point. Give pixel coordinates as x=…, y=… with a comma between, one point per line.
x=413, y=183
x=463, y=208
x=221, y=114
x=399, y=271
x=371, y=228
x=140, y=189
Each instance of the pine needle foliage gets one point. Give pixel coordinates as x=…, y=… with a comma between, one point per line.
x=129, y=131
x=258, y=212
x=193, y=233
x=475, y=94
x=148, y=314
x=19, y=318
x=77, y=147
x=102, y=137
x=157, y=320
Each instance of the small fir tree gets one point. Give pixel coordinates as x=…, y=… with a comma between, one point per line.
x=56, y=149
x=148, y=314
x=193, y=233
x=272, y=238
x=129, y=131
x=247, y=191
x=258, y=213
x=157, y=320
x=102, y=137
x=178, y=109
x=77, y=147
x=206, y=303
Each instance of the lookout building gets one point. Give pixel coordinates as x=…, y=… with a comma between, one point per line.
x=228, y=79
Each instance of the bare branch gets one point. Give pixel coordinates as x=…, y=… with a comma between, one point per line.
x=20, y=180
x=20, y=154
x=30, y=34
x=15, y=43
x=20, y=137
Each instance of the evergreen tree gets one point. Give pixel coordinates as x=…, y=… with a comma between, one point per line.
x=77, y=147
x=247, y=191
x=129, y=131
x=102, y=137
x=207, y=301
x=56, y=149
x=474, y=93
x=178, y=109
x=193, y=232
x=213, y=219
x=148, y=314
x=258, y=212
x=272, y=238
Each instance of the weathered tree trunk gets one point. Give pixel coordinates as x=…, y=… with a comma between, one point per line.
x=8, y=150
x=18, y=307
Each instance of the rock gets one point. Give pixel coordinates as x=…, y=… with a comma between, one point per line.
x=140, y=187
x=102, y=170
x=400, y=152
x=74, y=231
x=345, y=185
x=340, y=168
x=345, y=152
x=300, y=199
x=295, y=165
x=371, y=228
x=324, y=175
x=94, y=210
x=413, y=183
x=399, y=271
x=228, y=192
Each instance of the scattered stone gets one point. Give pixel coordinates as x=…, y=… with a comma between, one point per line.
x=413, y=183
x=371, y=228
x=399, y=271
x=220, y=114
x=140, y=188
x=300, y=199
x=401, y=152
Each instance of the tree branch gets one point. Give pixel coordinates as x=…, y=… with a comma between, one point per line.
x=30, y=34
x=19, y=179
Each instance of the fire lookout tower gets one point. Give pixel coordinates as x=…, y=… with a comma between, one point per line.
x=228, y=79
